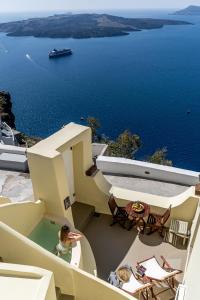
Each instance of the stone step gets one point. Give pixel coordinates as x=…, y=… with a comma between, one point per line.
x=58, y=293
x=66, y=297
x=82, y=214
x=13, y=162
x=60, y=296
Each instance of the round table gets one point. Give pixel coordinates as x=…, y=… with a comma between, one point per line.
x=136, y=216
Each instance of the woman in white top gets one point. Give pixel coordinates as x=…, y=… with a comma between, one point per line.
x=66, y=238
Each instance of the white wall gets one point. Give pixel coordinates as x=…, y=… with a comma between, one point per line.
x=130, y=167
x=98, y=149
x=15, y=248
x=191, y=278
x=22, y=216
x=12, y=149
x=68, y=162
x=26, y=282
x=13, y=158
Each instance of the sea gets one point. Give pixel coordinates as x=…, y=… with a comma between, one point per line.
x=147, y=82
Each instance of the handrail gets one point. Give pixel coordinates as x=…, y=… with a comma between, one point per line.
x=9, y=129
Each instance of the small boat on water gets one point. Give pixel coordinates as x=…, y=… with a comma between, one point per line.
x=57, y=53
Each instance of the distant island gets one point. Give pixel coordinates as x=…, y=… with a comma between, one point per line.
x=82, y=26
x=192, y=10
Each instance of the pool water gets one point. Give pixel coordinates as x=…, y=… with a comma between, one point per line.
x=45, y=234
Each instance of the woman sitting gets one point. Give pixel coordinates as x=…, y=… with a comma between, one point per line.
x=66, y=239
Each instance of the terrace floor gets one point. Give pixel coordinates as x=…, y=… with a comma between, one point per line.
x=115, y=246
x=144, y=185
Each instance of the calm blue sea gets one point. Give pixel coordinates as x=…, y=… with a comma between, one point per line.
x=145, y=82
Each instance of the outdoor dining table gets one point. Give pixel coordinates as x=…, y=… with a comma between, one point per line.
x=136, y=216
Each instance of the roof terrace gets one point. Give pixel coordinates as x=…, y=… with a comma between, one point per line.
x=58, y=167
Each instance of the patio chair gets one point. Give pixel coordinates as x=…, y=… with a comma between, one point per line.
x=163, y=275
x=156, y=222
x=119, y=213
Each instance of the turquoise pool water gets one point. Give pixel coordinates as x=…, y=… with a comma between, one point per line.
x=45, y=234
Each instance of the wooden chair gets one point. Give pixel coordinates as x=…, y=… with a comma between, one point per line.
x=119, y=213
x=163, y=275
x=156, y=222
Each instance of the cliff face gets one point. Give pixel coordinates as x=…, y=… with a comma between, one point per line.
x=8, y=117
x=6, y=109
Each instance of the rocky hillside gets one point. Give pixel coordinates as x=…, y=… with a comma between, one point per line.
x=82, y=26
x=8, y=116
x=192, y=10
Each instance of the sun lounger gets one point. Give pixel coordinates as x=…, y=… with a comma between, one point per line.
x=164, y=274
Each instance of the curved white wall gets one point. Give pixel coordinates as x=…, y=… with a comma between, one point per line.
x=123, y=166
x=154, y=200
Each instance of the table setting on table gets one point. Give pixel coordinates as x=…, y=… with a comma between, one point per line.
x=137, y=212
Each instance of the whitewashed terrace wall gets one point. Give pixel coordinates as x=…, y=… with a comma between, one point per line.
x=128, y=167
x=12, y=149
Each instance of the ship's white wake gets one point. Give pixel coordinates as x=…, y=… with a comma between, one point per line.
x=3, y=48
x=29, y=57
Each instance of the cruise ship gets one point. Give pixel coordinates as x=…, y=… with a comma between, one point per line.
x=58, y=53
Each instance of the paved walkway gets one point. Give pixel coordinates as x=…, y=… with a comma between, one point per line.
x=15, y=186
